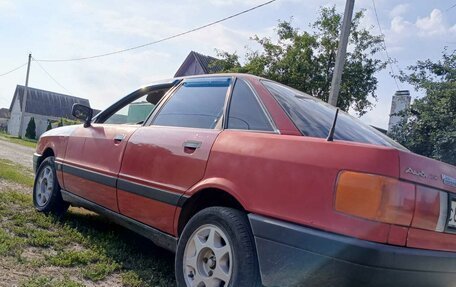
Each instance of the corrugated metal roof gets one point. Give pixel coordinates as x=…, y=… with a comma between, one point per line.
x=206, y=63
x=47, y=103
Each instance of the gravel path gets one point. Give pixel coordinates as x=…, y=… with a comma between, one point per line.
x=17, y=153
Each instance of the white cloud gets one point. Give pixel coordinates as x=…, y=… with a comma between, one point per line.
x=431, y=25
x=7, y=7
x=399, y=25
x=399, y=10
x=453, y=29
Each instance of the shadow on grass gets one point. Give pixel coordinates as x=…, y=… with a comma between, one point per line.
x=144, y=262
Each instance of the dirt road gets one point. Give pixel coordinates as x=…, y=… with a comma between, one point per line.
x=17, y=153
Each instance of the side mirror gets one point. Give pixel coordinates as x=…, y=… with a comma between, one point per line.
x=82, y=113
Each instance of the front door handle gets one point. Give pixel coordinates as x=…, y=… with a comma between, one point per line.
x=119, y=138
x=192, y=145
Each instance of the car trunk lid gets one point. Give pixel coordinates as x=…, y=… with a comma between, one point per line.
x=426, y=171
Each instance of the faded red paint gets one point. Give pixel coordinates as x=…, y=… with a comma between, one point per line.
x=95, y=192
x=148, y=211
x=425, y=239
x=398, y=235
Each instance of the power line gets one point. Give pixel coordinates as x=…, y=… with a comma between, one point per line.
x=451, y=7
x=160, y=40
x=15, y=69
x=384, y=44
x=50, y=76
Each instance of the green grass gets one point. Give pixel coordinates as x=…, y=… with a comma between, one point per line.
x=14, y=173
x=25, y=142
x=47, y=281
x=131, y=279
x=83, y=245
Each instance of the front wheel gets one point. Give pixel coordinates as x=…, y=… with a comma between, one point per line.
x=216, y=249
x=47, y=197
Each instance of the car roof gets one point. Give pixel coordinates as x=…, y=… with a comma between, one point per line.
x=170, y=80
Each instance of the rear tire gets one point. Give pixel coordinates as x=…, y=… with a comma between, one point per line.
x=217, y=248
x=47, y=197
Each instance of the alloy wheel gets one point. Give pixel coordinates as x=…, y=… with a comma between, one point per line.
x=208, y=258
x=45, y=186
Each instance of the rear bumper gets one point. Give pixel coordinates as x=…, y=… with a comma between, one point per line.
x=293, y=255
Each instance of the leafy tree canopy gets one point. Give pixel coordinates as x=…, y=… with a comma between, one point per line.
x=429, y=127
x=306, y=60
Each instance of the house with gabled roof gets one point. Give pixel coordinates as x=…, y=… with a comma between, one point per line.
x=44, y=106
x=4, y=117
x=197, y=64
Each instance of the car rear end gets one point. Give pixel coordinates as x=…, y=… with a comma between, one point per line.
x=418, y=206
x=383, y=216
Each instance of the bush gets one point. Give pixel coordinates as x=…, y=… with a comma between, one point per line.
x=49, y=127
x=30, y=132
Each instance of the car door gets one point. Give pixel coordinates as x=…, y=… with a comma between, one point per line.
x=94, y=153
x=167, y=157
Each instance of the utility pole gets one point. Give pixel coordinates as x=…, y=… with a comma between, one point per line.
x=341, y=52
x=24, y=98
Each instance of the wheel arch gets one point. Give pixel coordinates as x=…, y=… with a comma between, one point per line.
x=46, y=153
x=204, y=198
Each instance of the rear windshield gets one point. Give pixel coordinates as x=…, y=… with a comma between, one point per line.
x=314, y=118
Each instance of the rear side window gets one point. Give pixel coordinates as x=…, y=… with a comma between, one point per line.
x=314, y=118
x=198, y=103
x=245, y=112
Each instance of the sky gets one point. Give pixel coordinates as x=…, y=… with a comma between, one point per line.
x=414, y=30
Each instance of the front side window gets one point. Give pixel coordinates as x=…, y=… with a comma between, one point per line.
x=314, y=118
x=245, y=112
x=133, y=113
x=198, y=103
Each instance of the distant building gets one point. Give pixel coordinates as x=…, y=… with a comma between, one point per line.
x=197, y=64
x=400, y=102
x=43, y=106
x=4, y=117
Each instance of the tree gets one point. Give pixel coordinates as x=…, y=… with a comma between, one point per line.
x=30, y=132
x=49, y=126
x=429, y=127
x=306, y=60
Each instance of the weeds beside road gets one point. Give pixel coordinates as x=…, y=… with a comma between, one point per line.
x=16, y=140
x=17, y=153
x=81, y=249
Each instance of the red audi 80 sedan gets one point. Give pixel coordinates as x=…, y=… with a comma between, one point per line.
x=253, y=183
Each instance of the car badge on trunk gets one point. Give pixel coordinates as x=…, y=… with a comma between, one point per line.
x=448, y=180
x=420, y=173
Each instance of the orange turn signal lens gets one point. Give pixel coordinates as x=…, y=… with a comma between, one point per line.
x=375, y=197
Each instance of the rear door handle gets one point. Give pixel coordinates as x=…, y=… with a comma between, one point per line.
x=119, y=138
x=192, y=144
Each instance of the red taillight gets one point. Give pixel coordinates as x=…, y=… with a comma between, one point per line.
x=389, y=200
x=430, y=209
x=375, y=197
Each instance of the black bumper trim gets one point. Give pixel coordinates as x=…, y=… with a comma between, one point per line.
x=36, y=159
x=168, y=197
x=164, y=196
x=160, y=238
x=97, y=177
x=321, y=256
